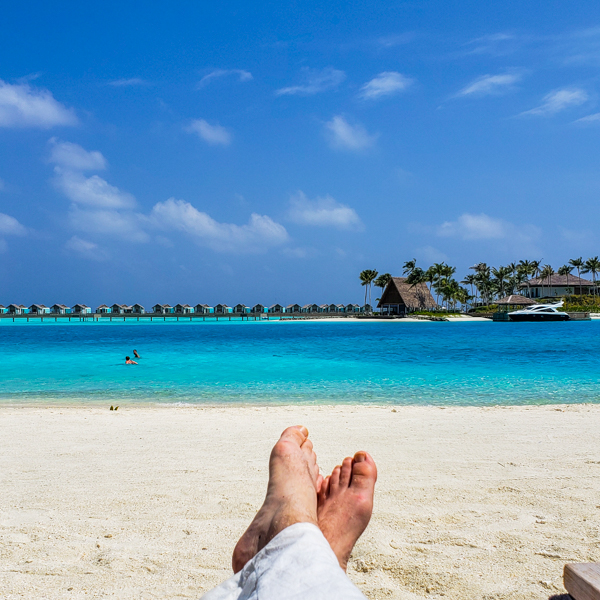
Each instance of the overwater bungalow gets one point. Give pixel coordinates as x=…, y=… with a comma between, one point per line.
x=310, y=308
x=138, y=309
x=323, y=308
x=60, y=309
x=276, y=308
x=39, y=309
x=293, y=308
x=183, y=309
x=341, y=308
x=203, y=309
x=120, y=309
x=259, y=308
x=555, y=286
x=81, y=309
x=367, y=308
x=3, y=309
x=162, y=309
x=399, y=297
x=223, y=309
x=103, y=309
x=353, y=308
x=17, y=309
x=241, y=309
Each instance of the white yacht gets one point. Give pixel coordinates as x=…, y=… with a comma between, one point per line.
x=540, y=312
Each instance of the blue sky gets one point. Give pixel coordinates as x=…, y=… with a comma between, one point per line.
x=242, y=153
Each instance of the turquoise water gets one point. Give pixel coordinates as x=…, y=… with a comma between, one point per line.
x=310, y=362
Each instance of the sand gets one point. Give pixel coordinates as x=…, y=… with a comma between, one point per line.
x=148, y=502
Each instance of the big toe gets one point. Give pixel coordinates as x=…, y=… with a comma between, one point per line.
x=364, y=470
x=296, y=433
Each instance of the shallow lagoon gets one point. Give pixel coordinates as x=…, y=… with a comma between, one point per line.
x=312, y=362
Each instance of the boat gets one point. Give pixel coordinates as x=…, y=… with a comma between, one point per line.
x=540, y=312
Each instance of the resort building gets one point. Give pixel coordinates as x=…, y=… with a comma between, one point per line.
x=222, y=309
x=138, y=309
x=353, y=308
x=3, y=309
x=323, y=308
x=39, y=309
x=103, y=309
x=555, y=286
x=60, y=309
x=241, y=309
x=120, y=309
x=183, y=309
x=162, y=309
x=276, y=308
x=203, y=309
x=341, y=308
x=292, y=308
x=259, y=308
x=310, y=308
x=81, y=309
x=17, y=309
x=399, y=297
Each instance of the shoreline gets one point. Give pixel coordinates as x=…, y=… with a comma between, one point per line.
x=471, y=501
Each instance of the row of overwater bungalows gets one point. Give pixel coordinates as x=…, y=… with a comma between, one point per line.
x=184, y=309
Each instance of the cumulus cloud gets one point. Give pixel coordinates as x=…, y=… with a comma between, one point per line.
x=314, y=82
x=322, y=212
x=213, y=134
x=557, y=101
x=125, y=225
x=22, y=105
x=343, y=135
x=128, y=82
x=257, y=235
x=469, y=227
x=85, y=249
x=490, y=84
x=10, y=226
x=385, y=84
x=240, y=73
x=93, y=191
x=72, y=156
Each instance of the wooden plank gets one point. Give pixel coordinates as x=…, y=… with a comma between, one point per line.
x=582, y=580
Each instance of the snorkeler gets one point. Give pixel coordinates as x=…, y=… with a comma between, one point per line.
x=135, y=353
x=128, y=361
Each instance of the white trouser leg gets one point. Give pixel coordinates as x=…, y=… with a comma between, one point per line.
x=298, y=563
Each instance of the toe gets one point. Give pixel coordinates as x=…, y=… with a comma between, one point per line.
x=298, y=433
x=364, y=470
x=334, y=478
x=346, y=472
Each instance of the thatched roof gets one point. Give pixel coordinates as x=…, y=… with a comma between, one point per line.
x=558, y=281
x=415, y=296
x=516, y=300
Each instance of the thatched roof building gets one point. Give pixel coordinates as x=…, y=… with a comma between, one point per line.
x=399, y=297
x=515, y=300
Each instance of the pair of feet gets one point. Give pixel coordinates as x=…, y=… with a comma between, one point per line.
x=339, y=504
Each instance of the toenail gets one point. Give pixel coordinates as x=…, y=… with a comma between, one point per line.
x=360, y=457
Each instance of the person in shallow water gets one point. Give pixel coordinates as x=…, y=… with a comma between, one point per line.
x=135, y=353
x=128, y=361
x=299, y=542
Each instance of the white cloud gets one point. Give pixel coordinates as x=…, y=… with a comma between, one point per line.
x=315, y=81
x=93, y=191
x=125, y=225
x=594, y=118
x=128, y=82
x=299, y=252
x=73, y=156
x=241, y=74
x=213, y=134
x=385, y=84
x=10, y=226
x=469, y=227
x=85, y=249
x=322, y=212
x=557, y=101
x=490, y=84
x=257, y=235
x=24, y=106
x=343, y=135
x=391, y=41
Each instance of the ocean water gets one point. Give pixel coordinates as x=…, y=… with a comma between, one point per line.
x=301, y=362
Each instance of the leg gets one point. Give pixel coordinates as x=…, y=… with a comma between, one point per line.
x=345, y=503
x=291, y=494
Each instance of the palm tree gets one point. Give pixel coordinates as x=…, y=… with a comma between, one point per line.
x=578, y=264
x=546, y=272
x=382, y=281
x=409, y=266
x=366, y=277
x=525, y=269
x=565, y=270
x=469, y=280
x=501, y=276
x=592, y=265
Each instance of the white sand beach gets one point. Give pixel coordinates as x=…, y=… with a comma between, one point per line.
x=148, y=502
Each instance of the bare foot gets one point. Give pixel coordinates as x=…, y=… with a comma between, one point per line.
x=345, y=503
x=291, y=494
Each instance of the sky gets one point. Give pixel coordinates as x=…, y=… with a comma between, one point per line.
x=268, y=152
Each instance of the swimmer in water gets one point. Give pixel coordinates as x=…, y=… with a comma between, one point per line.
x=135, y=353
x=128, y=361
